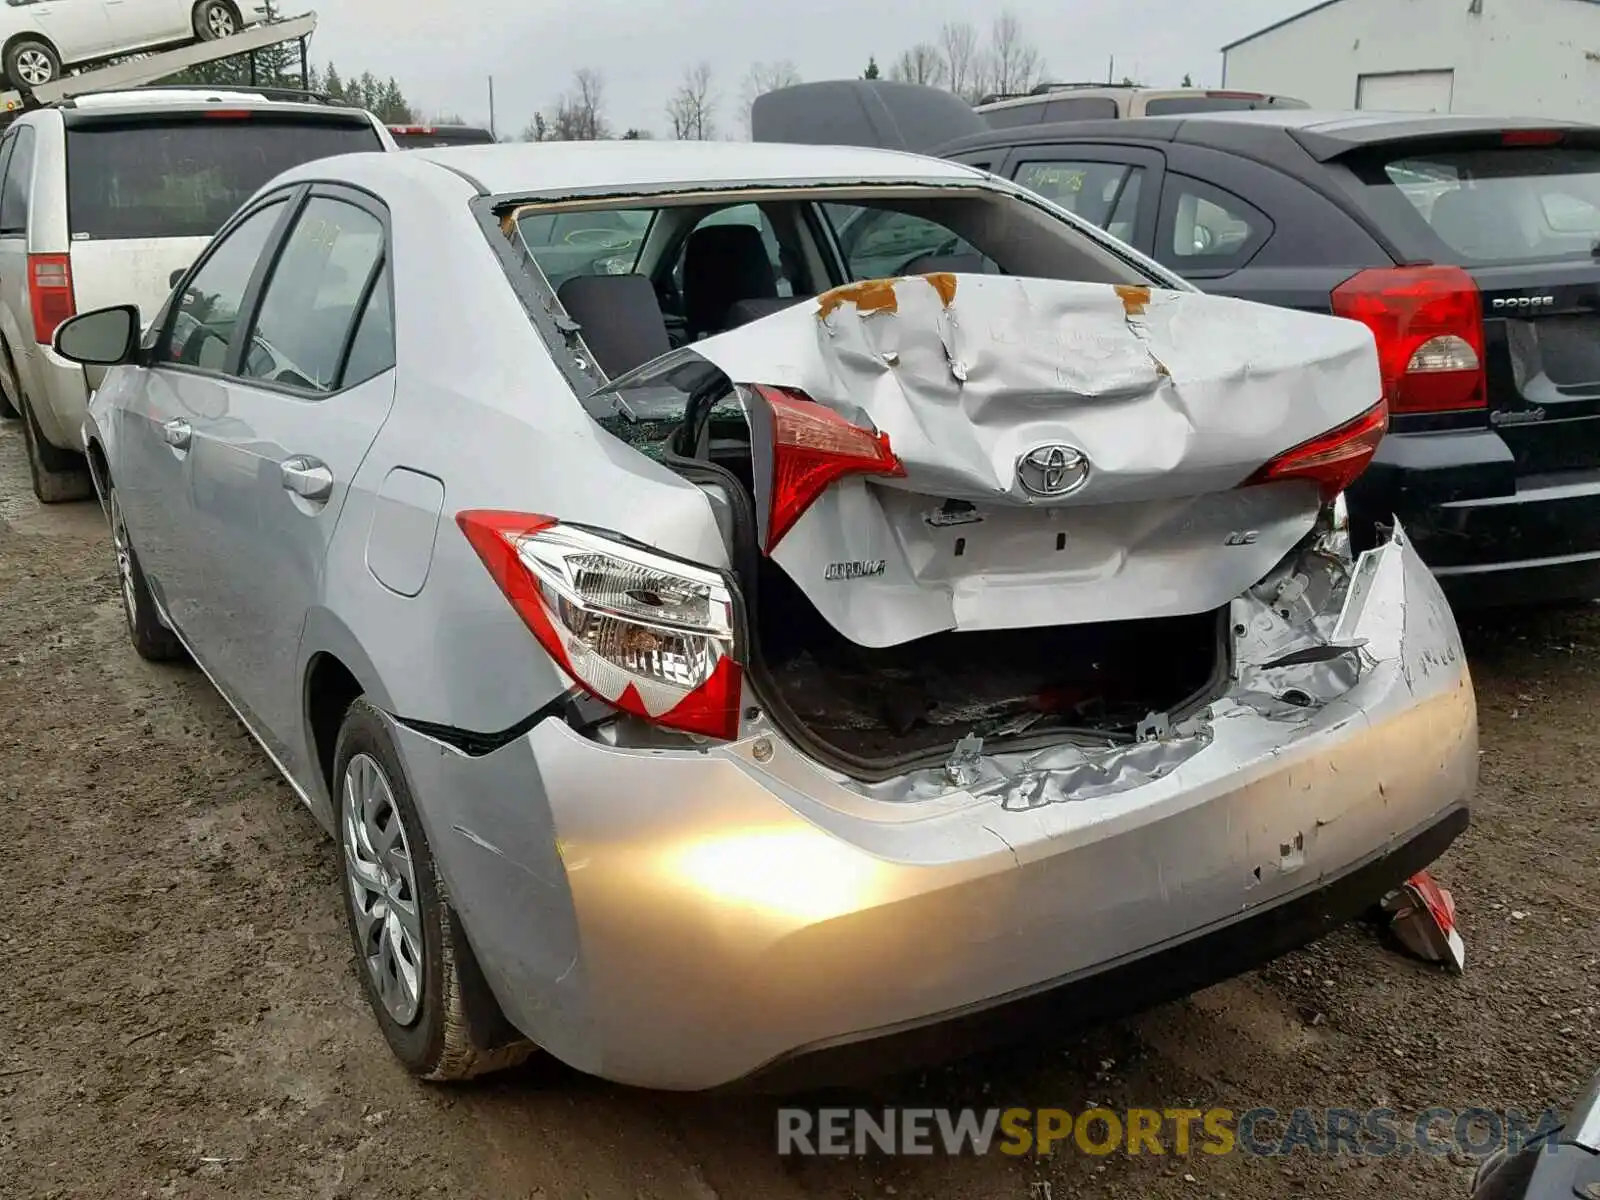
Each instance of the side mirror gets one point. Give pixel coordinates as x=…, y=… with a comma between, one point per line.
x=172, y=280
x=105, y=337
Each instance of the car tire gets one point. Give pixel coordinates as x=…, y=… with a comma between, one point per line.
x=8, y=405
x=215, y=19
x=150, y=636
x=420, y=976
x=31, y=63
x=58, y=475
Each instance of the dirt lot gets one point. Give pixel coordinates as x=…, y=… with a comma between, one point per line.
x=183, y=1019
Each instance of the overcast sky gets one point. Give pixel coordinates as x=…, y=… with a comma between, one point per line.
x=442, y=53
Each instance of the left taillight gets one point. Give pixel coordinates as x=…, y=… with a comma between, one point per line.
x=1333, y=460
x=812, y=448
x=649, y=634
x=50, y=293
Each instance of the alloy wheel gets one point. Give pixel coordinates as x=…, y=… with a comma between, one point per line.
x=383, y=888
x=219, y=21
x=35, y=67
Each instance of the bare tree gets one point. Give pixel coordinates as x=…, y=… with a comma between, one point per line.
x=958, y=44
x=761, y=79
x=579, y=115
x=1016, y=65
x=693, y=107
x=923, y=63
x=536, y=130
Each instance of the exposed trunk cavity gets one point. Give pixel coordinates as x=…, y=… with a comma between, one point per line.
x=873, y=712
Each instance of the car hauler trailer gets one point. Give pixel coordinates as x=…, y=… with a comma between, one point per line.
x=152, y=68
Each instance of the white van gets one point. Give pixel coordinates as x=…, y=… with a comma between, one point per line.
x=102, y=200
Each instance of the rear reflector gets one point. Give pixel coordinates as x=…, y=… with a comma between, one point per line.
x=1333, y=460
x=812, y=448
x=1532, y=137
x=1428, y=323
x=229, y=114
x=649, y=634
x=50, y=294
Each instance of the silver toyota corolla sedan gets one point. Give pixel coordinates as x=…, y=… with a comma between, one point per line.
x=740, y=605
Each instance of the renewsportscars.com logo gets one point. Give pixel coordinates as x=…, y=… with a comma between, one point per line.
x=1259, y=1132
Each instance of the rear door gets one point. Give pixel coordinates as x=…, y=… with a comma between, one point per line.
x=146, y=191
x=1117, y=188
x=1524, y=220
x=304, y=393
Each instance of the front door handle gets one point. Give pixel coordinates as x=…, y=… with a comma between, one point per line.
x=177, y=433
x=307, y=478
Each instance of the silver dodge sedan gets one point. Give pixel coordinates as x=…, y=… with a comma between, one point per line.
x=741, y=606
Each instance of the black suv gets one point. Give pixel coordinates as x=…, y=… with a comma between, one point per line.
x=1470, y=246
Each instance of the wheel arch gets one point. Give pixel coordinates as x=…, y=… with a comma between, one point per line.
x=335, y=673
x=99, y=471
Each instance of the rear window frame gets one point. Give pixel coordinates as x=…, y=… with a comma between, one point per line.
x=496, y=216
x=98, y=123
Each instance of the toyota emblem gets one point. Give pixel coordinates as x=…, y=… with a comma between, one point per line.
x=1053, y=470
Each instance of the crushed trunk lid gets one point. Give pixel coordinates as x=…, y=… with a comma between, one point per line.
x=1067, y=452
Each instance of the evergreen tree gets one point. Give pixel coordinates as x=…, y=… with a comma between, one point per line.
x=872, y=68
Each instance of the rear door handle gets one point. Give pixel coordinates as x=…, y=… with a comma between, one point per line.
x=177, y=433
x=307, y=477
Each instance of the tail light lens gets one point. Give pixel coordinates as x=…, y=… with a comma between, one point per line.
x=812, y=448
x=50, y=292
x=1333, y=460
x=649, y=634
x=1428, y=322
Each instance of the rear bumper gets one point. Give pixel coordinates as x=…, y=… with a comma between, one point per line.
x=1489, y=536
x=58, y=395
x=683, y=920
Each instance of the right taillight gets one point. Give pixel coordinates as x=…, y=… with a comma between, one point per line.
x=812, y=447
x=649, y=634
x=1333, y=460
x=1428, y=323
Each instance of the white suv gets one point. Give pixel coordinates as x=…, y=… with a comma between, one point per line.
x=103, y=199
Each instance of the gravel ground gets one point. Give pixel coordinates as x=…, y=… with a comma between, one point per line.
x=183, y=1018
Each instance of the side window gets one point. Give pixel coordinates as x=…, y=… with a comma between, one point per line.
x=1204, y=228
x=1103, y=193
x=310, y=304
x=205, y=322
x=372, y=350
x=878, y=242
x=18, y=187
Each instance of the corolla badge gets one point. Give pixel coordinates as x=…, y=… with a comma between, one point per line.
x=1053, y=470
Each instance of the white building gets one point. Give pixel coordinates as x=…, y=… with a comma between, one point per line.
x=1533, y=58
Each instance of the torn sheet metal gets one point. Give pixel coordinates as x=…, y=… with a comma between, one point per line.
x=1385, y=613
x=1165, y=393
x=1096, y=436
x=1423, y=919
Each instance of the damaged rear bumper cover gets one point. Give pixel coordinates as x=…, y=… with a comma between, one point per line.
x=686, y=919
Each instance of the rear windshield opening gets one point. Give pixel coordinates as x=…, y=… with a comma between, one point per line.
x=184, y=178
x=1171, y=106
x=640, y=280
x=1501, y=204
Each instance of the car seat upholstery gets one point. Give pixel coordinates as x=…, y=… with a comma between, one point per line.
x=723, y=264
x=620, y=318
x=742, y=312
